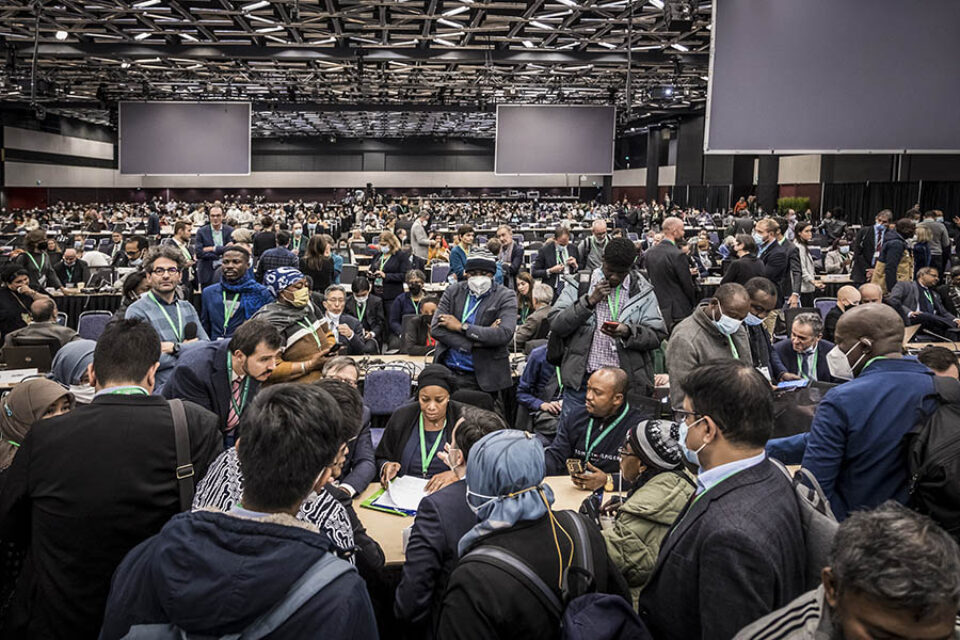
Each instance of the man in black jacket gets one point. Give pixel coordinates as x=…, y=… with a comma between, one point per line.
x=88, y=486
x=772, y=254
x=736, y=552
x=349, y=330
x=72, y=270
x=367, y=308
x=793, y=277
x=555, y=259
x=866, y=247
x=669, y=273
x=511, y=255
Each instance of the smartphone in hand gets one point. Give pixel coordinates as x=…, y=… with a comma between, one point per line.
x=575, y=466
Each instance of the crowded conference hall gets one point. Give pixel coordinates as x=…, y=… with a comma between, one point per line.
x=469, y=320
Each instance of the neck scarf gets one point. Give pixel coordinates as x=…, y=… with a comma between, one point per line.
x=505, y=474
x=21, y=408
x=253, y=295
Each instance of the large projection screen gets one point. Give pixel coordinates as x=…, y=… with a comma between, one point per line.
x=834, y=76
x=184, y=138
x=554, y=139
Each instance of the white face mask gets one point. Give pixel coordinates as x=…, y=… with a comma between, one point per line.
x=693, y=456
x=726, y=325
x=839, y=365
x=362, y=300
x=479, y=285
x=752, y=320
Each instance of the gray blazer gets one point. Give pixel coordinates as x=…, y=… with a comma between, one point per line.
x=489, y=345
x=419, y=240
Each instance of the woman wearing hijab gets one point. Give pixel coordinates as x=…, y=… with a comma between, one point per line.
x=649, y=460
x=28, y=403
x=418, y=431
x=505, y=489
x=70, y=366
x=306, y=334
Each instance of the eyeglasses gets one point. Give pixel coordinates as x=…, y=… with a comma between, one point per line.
x=626, y=453
x=132, y=253
x=159, y=271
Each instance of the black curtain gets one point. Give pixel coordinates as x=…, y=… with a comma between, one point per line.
x=849, y=196
x=712, y=198
x=678, y=194
x=896, y=196
x=944, y=196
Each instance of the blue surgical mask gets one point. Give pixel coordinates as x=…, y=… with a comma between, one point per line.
x=845, y=249
x=384, y=249
x=726, y=325
x=939, y=218
x=692, y=456
x=752, y=320
x=758, y=239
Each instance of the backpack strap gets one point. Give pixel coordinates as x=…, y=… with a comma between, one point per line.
x=814, y=493
x=512, y=564
x=582, y=564
x=184, y=465
x=319, y=575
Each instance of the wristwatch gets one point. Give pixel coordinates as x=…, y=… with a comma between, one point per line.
x=609, y=485
x=464, y=326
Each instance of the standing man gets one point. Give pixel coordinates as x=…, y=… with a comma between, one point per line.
x=297, y=244
x=88, y=486
x=847, y=297
x=793, y=277
x=211, y=239
x=474, y=325
x=235, y=298
x=556, y=259
x=182, y=230
x=36, y=260
x=114, y=248
x=773, y=255
x=866, y=248
x=670, y=275
x=160, y=308
x=224, y=376
x=153, y=224
x=591, y=248
x=72, y=270
x=278, y=256
x=420, y=241
x=511, y=256
x=940, y=242
x=763, y=300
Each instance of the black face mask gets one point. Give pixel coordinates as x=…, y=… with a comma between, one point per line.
x=415, y=289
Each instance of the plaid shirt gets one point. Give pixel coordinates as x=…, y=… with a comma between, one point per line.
x=276, y=258
x=603, y=349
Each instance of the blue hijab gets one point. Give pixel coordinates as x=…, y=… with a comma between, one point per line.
x=71, y=361
x=253, y=294
x=505, y=474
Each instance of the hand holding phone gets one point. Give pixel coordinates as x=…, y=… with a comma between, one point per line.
x=574, y=466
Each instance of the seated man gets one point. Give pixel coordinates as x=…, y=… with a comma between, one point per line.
x=594, y=434
x=870, y=293
x=539, y=391
x=367, y=308
x=893, y=574
x=737, y=553
x=442, y=519
x=804, y=354
x=225, y=376
x=941, y=361
x=416, y=339
x=71, y=269
x=348, y=329
x=763, y=299
x=847, y=297
x=531, y=327
x=919, y=303
x=44, y=325
x=256, y=552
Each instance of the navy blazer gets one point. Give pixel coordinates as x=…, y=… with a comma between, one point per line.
x=735, y=555
x=513, y=266
x=546, y=259
x=354, y=346
x=205, y=259
x=442, y=519
x=359, y=468
x=775, y=264
x=201, y=376
x=789, y=357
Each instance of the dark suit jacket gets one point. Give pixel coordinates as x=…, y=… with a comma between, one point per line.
x=442, y=519
x=201, y=376
x=511, y=270
x=905, y=297
x=373, y=317
x=205, y=259
x=775, y=265
x=79, y=272
x=89, y=486
x=793, y=277
x=546, y=258
x=789, y=357
x=356, y=345
x=153, y=225
x=735, y=555
x=830, y=322
x=669, y=273
x=864, y=246
x=742, y=269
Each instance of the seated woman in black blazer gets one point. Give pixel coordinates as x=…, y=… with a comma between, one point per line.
x=417, y=432
x=417, y=340
x=747, y=265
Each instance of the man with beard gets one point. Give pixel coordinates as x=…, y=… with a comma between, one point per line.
x=235, y=298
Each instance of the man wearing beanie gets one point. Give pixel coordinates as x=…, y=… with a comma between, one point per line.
x=616, y=323
x=473, y=327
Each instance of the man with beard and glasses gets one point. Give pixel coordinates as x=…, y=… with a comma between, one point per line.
x=235, y=298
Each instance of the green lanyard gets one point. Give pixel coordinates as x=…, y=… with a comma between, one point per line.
x=361, y=311
x=177, y=332
x=383, y=261
x=733, y=348
x=185, y=252
x=615, y=304
x=16, y=444
x=295, y=244
x=228, y=311
x=467, y=309
x=128, y=391
x=559, y=381
x=69, y=272
x=246, y=387
x=43, y=261
x=309, y=327
x=562, y=255
x=425, y=459
x=871, y=361
x=813, y=364
x=603, y=434
x=929, y=297
x=416, y=305
x=524, y=312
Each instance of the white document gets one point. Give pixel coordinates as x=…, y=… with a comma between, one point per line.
x=15, y=376
x=406, y=492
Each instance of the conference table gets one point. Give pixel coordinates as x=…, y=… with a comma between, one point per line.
x=387, y=529
x=831, y=284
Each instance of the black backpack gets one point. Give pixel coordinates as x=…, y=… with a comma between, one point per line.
x=556, y=346
x=933, y=456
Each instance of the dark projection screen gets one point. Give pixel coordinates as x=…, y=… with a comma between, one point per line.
x=561, y=139
x=184, y=138
x=829, y=76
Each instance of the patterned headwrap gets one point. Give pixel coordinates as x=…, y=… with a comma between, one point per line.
x=279, y=279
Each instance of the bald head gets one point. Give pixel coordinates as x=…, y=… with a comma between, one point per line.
x=877, y=328
x=606, y=389
x=870, y=293
x=672, y=228
x=43, y=309
x=848, y=297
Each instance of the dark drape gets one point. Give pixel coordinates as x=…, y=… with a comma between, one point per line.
x=849, y=196
x=712, y=198
x=944, y=196
x=896, y=196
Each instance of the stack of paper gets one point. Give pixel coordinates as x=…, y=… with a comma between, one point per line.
x=404, y=493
